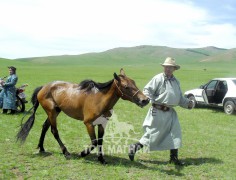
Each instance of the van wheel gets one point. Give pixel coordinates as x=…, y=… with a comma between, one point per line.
x=229, y=107
x=192, y=98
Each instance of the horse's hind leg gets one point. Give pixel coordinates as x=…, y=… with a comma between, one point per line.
x=57, y=137
x=100, y=140
x=52, y=115
x=46, y=125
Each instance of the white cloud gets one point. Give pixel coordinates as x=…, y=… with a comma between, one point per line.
x=43, y=27
x=218, y=35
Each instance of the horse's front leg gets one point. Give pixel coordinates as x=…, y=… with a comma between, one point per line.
x=100, y=140
x=92, y=135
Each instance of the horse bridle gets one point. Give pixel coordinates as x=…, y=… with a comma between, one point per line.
x=123, y=94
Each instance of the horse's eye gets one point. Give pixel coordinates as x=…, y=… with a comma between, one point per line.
x=125, y=86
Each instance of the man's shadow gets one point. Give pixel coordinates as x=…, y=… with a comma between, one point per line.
x=158, y=165
x=192, y=161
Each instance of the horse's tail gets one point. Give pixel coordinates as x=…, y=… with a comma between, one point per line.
x=26, y=127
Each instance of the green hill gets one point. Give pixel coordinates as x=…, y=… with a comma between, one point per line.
x=208, y=51
x=197, y=64
x=138, y=55
x=227, y=56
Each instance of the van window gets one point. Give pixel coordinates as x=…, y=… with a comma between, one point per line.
x=211, y=85
x=234, y=82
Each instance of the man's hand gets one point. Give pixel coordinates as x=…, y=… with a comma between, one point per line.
x=1, y=82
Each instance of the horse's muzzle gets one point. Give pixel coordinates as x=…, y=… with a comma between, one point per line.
x=143, y=102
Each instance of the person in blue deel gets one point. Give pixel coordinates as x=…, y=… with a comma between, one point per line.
x=8, y=93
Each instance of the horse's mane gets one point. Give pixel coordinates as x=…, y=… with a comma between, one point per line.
x=88, y=84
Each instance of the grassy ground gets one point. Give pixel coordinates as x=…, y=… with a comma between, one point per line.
x=208, y=134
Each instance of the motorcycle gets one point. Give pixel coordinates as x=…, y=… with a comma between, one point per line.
x=20, y=97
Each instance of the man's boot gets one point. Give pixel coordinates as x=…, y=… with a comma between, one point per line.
x=13, y=111
x=174, y=157
x=4, y=111
x=133, y=148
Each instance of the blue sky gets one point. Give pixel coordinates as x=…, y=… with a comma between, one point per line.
x=30, y=28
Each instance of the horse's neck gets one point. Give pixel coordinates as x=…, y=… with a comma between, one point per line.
x=111, y=96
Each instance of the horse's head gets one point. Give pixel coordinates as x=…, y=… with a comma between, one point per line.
x=128, y=90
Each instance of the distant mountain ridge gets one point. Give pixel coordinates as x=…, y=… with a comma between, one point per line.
x=163, y=51
x=142, y=54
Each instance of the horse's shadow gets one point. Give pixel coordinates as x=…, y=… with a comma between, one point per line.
x=41, y=154
x=115, y=160
x=150, y=165
x=153, y=165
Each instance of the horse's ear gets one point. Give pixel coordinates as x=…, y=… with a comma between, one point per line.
x=116, y=77
x=122, y=72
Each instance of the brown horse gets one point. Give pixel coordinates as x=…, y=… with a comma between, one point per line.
x=85, y=101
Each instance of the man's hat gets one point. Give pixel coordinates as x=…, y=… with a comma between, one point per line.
x=12, y=68
x=170, y=62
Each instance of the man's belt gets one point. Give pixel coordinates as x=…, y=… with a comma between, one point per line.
x=161, y=107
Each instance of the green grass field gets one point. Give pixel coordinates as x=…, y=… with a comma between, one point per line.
x=208, y=134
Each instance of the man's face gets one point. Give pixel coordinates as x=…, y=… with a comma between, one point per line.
x=169, y=70
x=11, y=71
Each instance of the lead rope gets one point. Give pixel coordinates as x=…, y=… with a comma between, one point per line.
x=135, y=93
x=119, y=89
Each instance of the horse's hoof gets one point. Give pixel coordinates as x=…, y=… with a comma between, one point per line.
x=102, y=160
x=41, y=151
x=68, y=157
x=82, y=154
